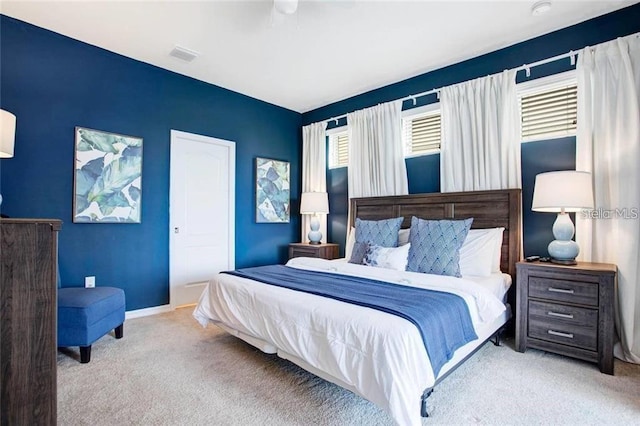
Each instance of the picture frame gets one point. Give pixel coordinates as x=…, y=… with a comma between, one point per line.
x=107, y=184
x=273, y=191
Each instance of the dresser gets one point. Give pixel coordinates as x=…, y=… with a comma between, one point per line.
x=327, y=251
x=28, y=310
x=568, y=310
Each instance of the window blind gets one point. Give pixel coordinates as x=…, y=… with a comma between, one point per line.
x=550, y=113
x=422, y=133
x=339, y=147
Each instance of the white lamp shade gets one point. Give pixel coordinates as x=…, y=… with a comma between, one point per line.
x=7, y=133
x=569, y=190
x=314, y=202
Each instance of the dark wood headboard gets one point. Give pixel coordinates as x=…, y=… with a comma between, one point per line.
x=489, y=209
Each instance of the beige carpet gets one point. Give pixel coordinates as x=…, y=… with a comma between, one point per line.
x=167, y=370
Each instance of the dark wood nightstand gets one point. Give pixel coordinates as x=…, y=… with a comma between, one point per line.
x=567, y=310
x=325, y=251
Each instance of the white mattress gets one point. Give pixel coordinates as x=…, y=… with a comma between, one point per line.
x=374, y=354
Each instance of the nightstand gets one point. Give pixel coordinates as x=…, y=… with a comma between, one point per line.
x=325, y=251
x=567, y=310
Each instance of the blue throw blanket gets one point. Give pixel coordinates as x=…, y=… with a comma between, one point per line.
x=442, y=318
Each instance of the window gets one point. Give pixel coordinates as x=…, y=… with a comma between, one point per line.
x=421, y=131
x=338, y=148
x=549, y=107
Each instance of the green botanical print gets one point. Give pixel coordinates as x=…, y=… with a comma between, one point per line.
x=108, y=176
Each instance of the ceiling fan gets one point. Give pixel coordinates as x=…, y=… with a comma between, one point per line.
x=285, y=7
x=287, y=10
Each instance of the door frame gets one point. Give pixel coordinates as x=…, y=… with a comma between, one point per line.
x=177, y=134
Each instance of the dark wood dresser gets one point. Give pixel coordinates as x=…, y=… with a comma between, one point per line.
x=28, y=310
x=327, y=251
x=567, y=310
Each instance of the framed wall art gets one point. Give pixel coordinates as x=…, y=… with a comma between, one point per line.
x=272, y=191
x=107, y=181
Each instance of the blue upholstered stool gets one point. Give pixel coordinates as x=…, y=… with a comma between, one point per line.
x=87, y=314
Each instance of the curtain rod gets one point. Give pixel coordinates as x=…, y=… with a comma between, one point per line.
x=527, y=67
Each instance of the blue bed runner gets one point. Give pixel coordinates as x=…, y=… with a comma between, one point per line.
x=443, y=319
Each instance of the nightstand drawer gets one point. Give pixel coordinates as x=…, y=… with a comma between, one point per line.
x=563, y=290
x=327, y=251
x=563, y=315
x=305, y=252
x=554, y=331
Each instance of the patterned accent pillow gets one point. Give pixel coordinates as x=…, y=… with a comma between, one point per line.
x=379, y=232
x=435, y=245
x=359, y=252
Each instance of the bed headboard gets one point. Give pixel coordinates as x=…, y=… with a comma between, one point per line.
x=489, y=209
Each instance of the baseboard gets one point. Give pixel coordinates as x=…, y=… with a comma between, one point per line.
x=145, y=312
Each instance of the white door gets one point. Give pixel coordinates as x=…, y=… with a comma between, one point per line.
x=201, y=213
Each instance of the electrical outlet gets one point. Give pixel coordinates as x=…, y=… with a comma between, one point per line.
x=89, y=282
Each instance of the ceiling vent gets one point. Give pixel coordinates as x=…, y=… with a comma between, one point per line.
x=183, y=54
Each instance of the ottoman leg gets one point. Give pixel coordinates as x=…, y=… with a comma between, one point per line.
x=85, y=354
x=119, y=331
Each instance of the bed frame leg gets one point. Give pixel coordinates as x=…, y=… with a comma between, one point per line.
x=423, y=402
x=497, y=337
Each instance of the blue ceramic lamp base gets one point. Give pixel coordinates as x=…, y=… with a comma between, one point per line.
x=315, y=235
x=563, y=250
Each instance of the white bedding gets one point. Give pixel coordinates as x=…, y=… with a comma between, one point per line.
x=497, y=283
x=377, y=355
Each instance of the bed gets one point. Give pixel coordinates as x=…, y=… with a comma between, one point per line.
x=374, y=354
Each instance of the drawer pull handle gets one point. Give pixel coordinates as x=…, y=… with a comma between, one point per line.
x=561, y=334
x=559, y=315
x=561, y=290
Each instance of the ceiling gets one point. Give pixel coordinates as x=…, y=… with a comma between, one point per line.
x=327, y=51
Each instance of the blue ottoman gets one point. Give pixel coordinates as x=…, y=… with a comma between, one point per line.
x=87, y=314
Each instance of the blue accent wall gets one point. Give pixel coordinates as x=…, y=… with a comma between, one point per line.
x=540, y=157
x=337, y=186
x=424, y=172
x=53, y=83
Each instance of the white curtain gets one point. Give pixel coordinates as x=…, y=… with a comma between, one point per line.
x=608, y=145
x=376, y=157
x=314, y=170
x=480, y=148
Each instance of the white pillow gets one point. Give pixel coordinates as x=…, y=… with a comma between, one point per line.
x=387, y=257
x=480, y=252
x=497, y=254
x=403, y=238
x=351, y=240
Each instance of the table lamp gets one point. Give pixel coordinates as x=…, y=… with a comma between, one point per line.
x=563, y=192
x=7, y=135
x=314, y=203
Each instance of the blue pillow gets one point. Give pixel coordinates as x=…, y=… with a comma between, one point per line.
x=435, y=245
x=378, y=232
